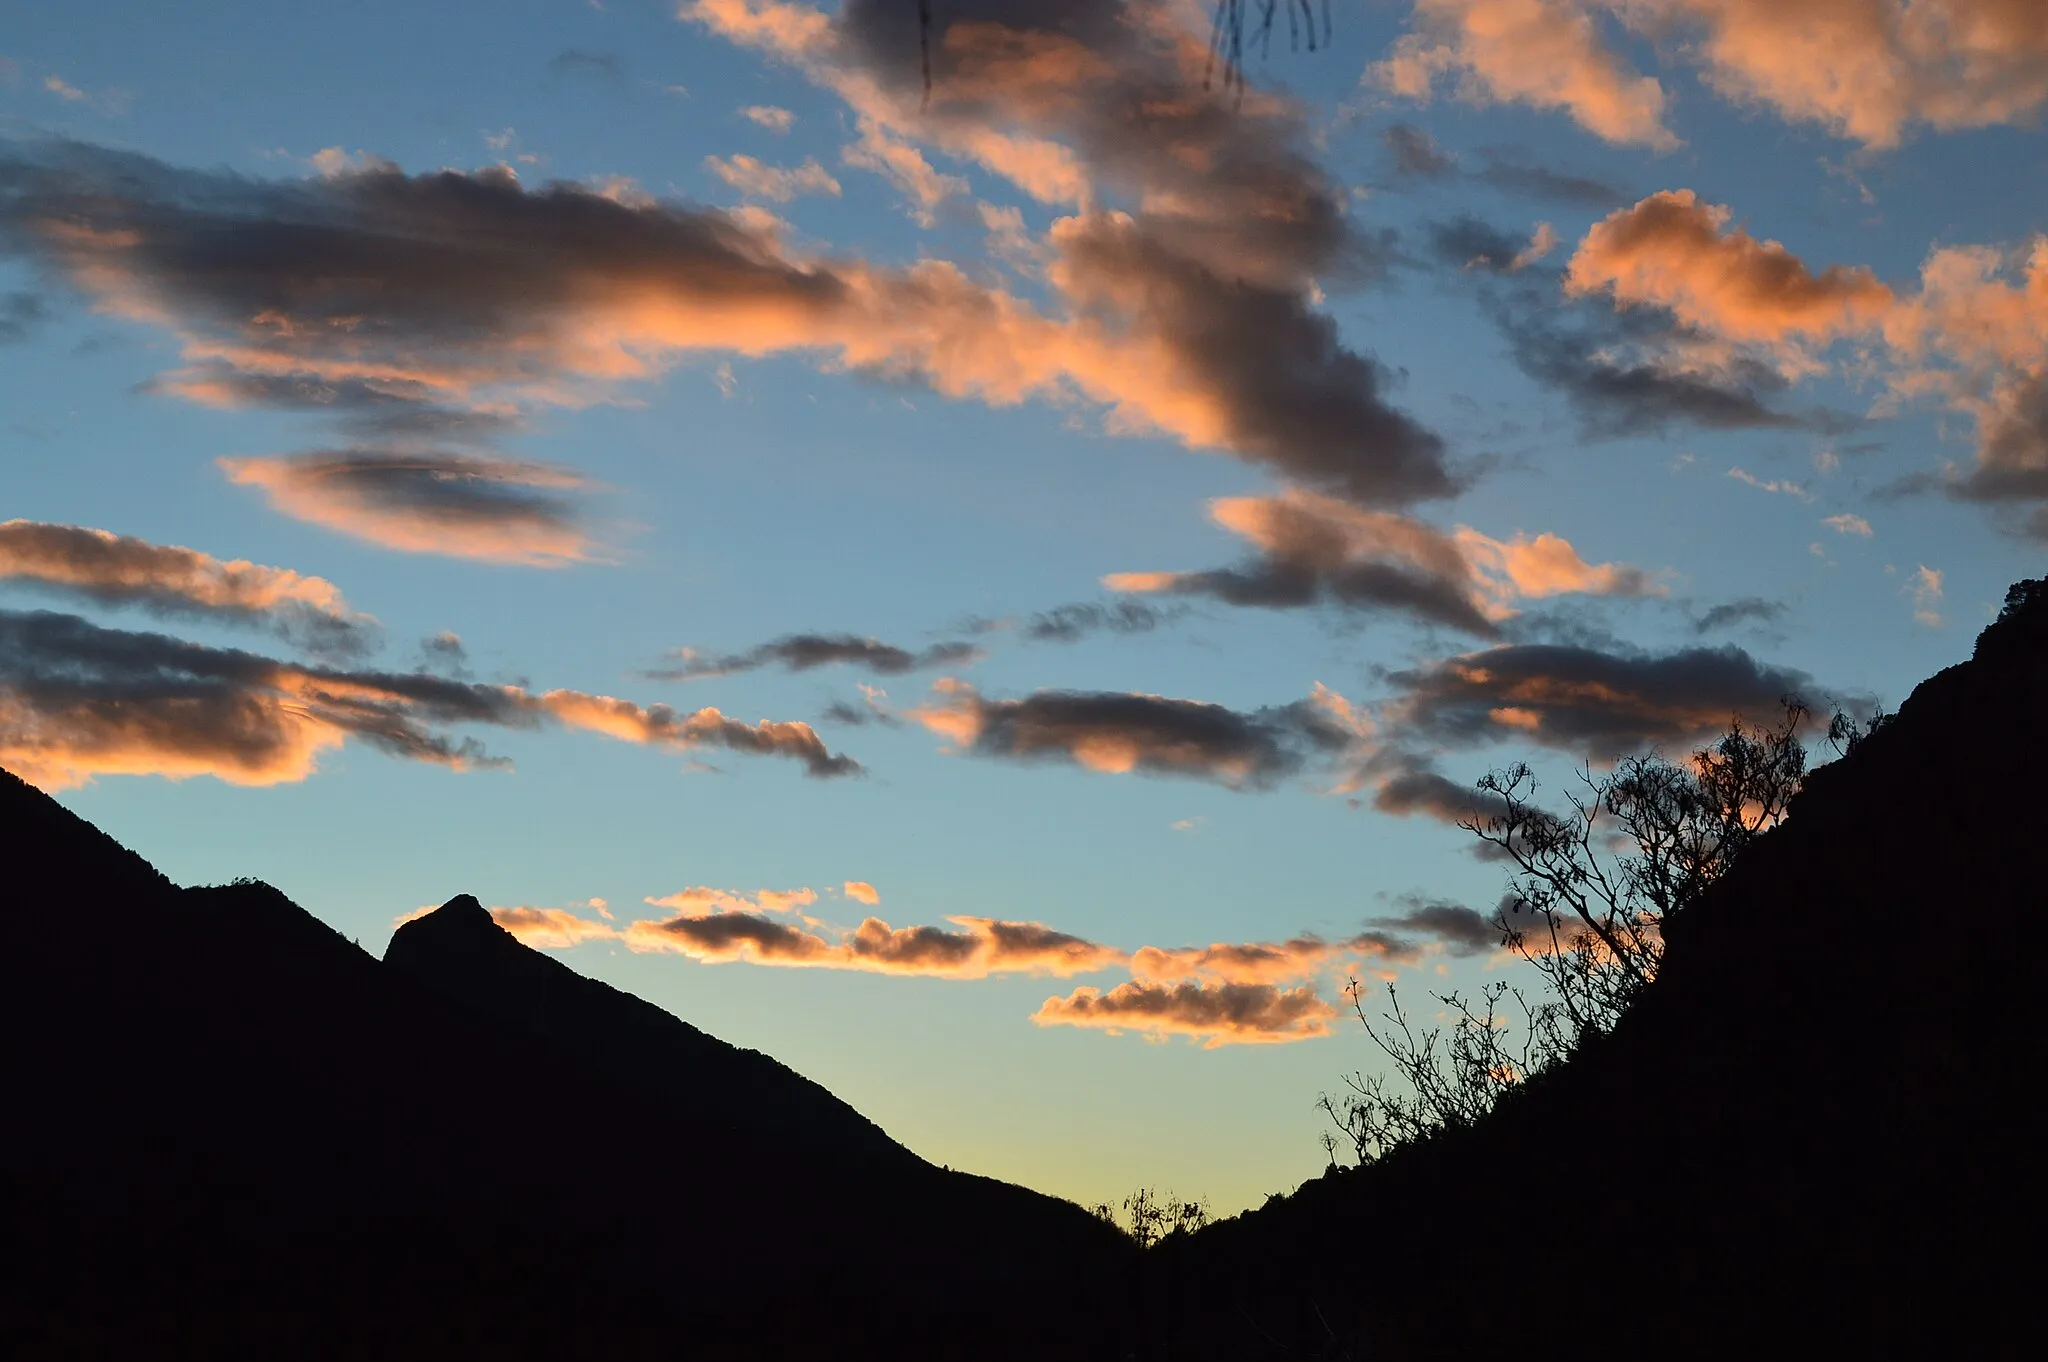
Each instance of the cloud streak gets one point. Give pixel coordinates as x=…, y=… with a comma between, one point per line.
x=1216, y=1014
x=1119, y=732
x=115, y=569
x=805, y=652
x=78, y=701
x=457, y=505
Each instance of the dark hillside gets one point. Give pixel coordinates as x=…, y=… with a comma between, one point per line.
x=231, y=1132
x=1814, y=1137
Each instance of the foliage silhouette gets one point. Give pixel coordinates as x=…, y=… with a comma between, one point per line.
x=1593, y=893
x=1149, y=1217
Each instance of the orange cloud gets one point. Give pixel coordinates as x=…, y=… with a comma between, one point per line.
x=1264, y=962
x=1314, y=549
x=982, y=946
x=1672, y=251
x=550, y=928
x=661, y=726
x=1868, y=69
x=702, y=901
x=860, y=891
x=774, y=119
x=779, y=183
x=1162, y=320
x=1215, y=1014
x=1547, y=54
x=78, y=701
x=120, y=569
x=1193, y=314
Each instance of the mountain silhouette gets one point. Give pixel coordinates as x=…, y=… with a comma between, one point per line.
x=230, y=1131
x=459, y=951
x=1811, y=1138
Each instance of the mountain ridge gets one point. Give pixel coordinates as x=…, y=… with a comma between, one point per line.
x=1805, y=1139
x=280, y=1145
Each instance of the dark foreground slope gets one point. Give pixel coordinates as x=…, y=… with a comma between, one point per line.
x=229, y=1131
x=1816, y=1137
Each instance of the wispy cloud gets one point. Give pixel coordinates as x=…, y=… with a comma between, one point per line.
x=804, y=652
x=454, y=504
x=756, y=179
x=1924, y=589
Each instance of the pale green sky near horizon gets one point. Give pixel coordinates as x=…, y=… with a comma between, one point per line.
x=1517, y=445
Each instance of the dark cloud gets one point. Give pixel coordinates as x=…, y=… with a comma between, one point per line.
x=1596, y=704
x=1152, y=734
x=383, y=409
x=79, y=700
x=434, y=283
x=1233, y=186
x=587, y=65
x=1293, y=397
x=1216, y=1014
x=1075, y=621
x=1408, y=784
x=1460, y=930
x=1279, y=582
x=1416, y=154
x=1514, y=176
x=2012, y=447
x=1584, y=354
x=466, y=291
x=739, y=936
x=20, y=313
x=979, y=946
x=456, y=504
x=1745, y=610
x=1465, y=242
x=802, y=652
x=1907, y=486
x=445, y=653
x=167, y=579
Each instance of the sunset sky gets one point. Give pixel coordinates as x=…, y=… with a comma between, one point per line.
x=991, y=596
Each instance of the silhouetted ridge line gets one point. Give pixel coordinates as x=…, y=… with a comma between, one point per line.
x=1806, y=1140
x=459, y=951
x=50, y=848
x=232, y=1132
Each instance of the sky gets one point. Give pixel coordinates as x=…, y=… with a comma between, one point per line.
x=994, y=591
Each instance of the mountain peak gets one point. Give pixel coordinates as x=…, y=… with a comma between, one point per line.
x=462, y=915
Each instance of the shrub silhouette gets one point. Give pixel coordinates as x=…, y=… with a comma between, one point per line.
x=1592, y=895
x=1149, y=1217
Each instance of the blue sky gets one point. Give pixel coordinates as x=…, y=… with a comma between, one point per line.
x=686, y=401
